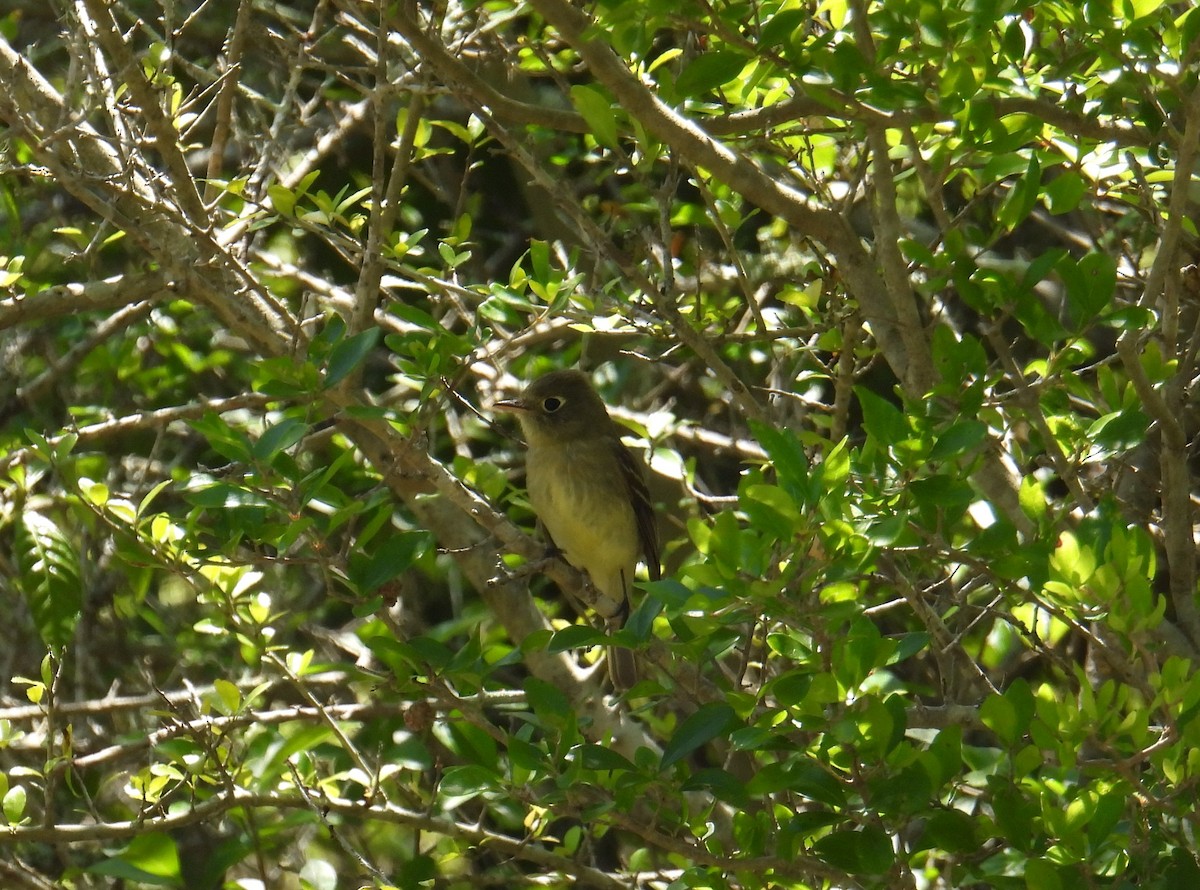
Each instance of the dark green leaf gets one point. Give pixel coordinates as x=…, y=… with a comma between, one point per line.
x=418, y=871
x=526, y=755
x=1064, y=192
x=790, y=688
x=1043, y=874
x=348, y=355
x=884, y=422
x=1110, y=807
x=999, y=715
x=640, y=623
x=670, y=591
x=787, y=456
x=953, y=831
x=225, y=440
x=720, y=783
x=1016, y=815
x=1022, y=196
x=963, y=436
x=708, y=71
x=460, y=784
x=279, y=437
x=472, y=744
x=1120, y=430
x=1091, y=283
x=597, y=110
x=942, y=490
x=48, y=575
x=944, y=759
x=150, y=858
x=222, y=495
x=547, y=701
x=1182, y=872
x=864, y=852
x=709, y=722
x=783, y=26
x=604, y=758
x=803, y=776
x=908, y=645
x=389, y=558
x=575, y=636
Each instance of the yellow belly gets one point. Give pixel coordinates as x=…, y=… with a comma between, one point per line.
x=592, y=521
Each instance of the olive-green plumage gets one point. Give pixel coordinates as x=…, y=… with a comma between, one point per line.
x=588, y=492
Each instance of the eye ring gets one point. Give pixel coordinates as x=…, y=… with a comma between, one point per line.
x=551, y=404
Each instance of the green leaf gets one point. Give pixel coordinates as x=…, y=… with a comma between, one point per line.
x=1016, y=815
x=603, y=758
x=640, y=622
x=348, y=355
x=1139, y=9
x=944, y=759
x=770, y=509
x=230, y=443
x=1041, y=266
x=125, y=871
x=787, y=456
x=575, y=636
x=864, y=852
x=961, y=437
x=547, y=701
x=669, y=591
x=801, y=775
x=1182, y=873
x=998, y=714
x=708, y=71
x=48, y=576
x=460, y=784
x=1041, y=874
x=14, y=803
x=720, y=783
x=884, y=422
x=283, y=199
x=229, y=695
x=709, y=722
x=526, y=755
x=1020, y=696
x=472, y=744
x=942, y=490
x=389, y=559
x=908, y=645
x=279, y=437
x=148, y=859
x=1110, y=808
x=1091, y=283
x=418, y=871
x=1022, y=196
x=783, y=26
x=597, y=110
x=149, y=497
x=953, y=831
x=789, y=689
x=1120, y=430
x=1064, y=192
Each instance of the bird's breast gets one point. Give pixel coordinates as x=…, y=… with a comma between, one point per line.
x=581, y=499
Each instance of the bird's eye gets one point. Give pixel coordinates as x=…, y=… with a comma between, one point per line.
x=552, y=404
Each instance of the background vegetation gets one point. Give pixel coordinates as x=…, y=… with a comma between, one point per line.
x=896, y=297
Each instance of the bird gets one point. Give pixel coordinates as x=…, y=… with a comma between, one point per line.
x=589, y=494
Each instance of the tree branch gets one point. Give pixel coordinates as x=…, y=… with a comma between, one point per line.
x=907, y=354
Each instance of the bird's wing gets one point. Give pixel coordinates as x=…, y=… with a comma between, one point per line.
x=643, y=510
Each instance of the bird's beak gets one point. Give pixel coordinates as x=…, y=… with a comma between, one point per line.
x=510, y=406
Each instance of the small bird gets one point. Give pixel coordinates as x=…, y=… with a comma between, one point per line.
x=589, y=494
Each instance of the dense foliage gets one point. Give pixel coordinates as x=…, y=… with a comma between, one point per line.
x=895, y=298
